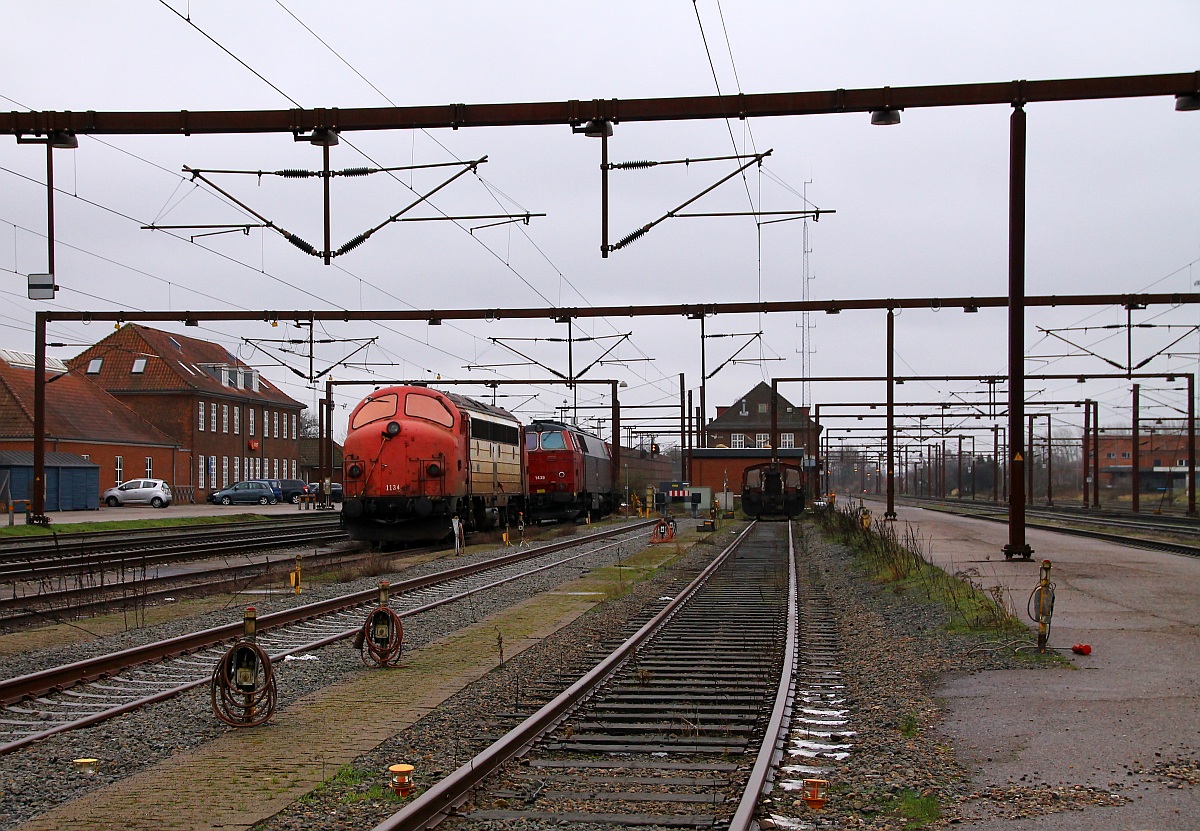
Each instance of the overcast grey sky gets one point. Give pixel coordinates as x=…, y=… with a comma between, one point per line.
x=921, y=208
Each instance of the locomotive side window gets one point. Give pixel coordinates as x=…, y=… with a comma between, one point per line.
x=553, y=440
x=382, y=407
x=428, y=408
x=531, y=439
x=583, y=445
x=493, y=431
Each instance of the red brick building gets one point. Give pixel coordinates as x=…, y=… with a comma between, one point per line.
x=83, y=419
x=1162, y=459
x=233, y=423
x=740, y=436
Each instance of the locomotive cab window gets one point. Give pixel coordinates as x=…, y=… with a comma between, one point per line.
x=428, y=408
x=553, y=440
x=382, y=407
x=531, y=441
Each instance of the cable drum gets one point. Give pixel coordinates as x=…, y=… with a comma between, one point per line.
x=243, y=686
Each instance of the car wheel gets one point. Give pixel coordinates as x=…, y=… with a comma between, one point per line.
x=112, y=502
x=273, y=500
x=295, y=500
x=157, y=502
x=262, y=500
x=225, y=500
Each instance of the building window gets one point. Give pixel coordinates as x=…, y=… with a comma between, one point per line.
x=200, y=474
x=237, y=469
x=201, y=423
x=1179, y=463
x=250, y=422
x=293, y=467
x=787, y=441
x=737, y=441
x=237, y=421
x=149, y=467
x=224, y=471
x=295, y=435
x=285, y=425
x=212, y=420
x=275, y=424
x=762, y=440
x=1126, y=454
x=224, y=418
x=119, y=468
x=1110, y=455
x=275, y=466
x=762, y=407
x=139, y=366
x=94, y=366
x=212, y=471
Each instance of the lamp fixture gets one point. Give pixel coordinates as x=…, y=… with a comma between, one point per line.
x=320, y=137
x=595, y=128
x=62, y=140
x=885, y=117
x=971, y=309
x=1187, y=103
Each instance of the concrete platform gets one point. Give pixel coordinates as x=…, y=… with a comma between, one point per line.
x=1110, y=718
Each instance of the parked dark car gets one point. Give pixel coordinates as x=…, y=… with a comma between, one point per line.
x=244, y=493
x=288, y=490
x=335, y=490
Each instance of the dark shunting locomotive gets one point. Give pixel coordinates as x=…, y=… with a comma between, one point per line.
x=570, y=473
x=773, y=490
x=414, y=458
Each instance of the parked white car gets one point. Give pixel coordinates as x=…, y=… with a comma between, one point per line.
x=153, y=492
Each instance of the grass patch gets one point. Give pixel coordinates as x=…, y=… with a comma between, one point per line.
x=909, y=725
x=23, y=530
x=901, y=564
x=353, y=784
x=919, y=811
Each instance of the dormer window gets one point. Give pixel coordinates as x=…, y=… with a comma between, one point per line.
x=94, y=365
x=139, y=366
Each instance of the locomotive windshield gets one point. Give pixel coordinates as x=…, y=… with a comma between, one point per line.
x=428, y=408
x=531, y=440
x=553, y=440
x=382, y=407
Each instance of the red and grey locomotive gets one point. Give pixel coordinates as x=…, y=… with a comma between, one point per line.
x=414, y=458
x=570, y=473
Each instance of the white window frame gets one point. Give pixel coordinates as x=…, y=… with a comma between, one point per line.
x=284, y=430
x=94, y=366
x=202, y=417
x=250, y=421
x=295, y=434
x=224, y=471
x=237, y=467
x=762, y=440
x=737, y=441
x=237, y=421
x=139, y=366
x=224, y=418
x=275, y=425
x=149, y=467
x=119, y=468
x=200, y=473
x=213, y=417
x=787, y=441
x=276, y=468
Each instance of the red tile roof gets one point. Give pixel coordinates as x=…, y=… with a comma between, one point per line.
x=174, y=363
x=76, y=409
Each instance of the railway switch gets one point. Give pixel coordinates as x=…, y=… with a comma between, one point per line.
x=243, y=688
x=382, y=635
x=1041, y=605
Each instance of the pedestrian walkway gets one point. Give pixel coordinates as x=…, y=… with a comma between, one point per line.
x=1121, y=718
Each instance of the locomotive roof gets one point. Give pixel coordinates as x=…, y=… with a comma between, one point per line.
x=471, y=405
x=540, y=424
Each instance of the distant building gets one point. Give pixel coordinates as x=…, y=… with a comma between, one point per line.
x=84, y=420
x=740, y=436
x=1162, y=459
x=310, y=455
x=233, y=423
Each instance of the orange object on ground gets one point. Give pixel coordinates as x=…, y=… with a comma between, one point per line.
x=1082, y=649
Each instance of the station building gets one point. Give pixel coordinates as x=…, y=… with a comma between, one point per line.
x=232, y=423
x=85, y=427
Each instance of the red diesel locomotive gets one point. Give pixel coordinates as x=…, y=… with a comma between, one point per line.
x=570, y=473
x=414, y=458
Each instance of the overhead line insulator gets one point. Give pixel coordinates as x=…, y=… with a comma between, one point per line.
x=635, y=165
x=301, y=244
x=292, y=173
x=351, y=245
x=636, y=235
x=356, y=171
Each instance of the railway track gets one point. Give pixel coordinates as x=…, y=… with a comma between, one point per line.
x=1152, y=533
x=681, y=725
x=83, y=693
x=65, y=556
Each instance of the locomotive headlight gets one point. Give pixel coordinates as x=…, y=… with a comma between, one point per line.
x=434, y=470
x=392, y=430
x=354, y=471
